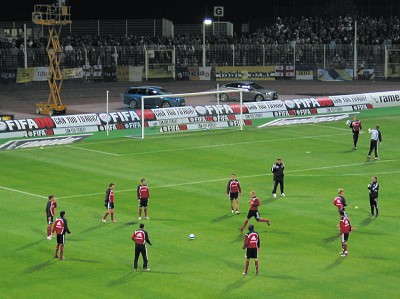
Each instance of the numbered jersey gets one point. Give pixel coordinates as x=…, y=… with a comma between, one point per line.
x=59, y=226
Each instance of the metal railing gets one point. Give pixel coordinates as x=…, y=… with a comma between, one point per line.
x=299, y=55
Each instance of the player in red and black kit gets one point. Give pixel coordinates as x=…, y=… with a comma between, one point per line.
x=356, y=127
x=61, y=228
x=253, y=211
x=143, y=195
x=252, y=246
x=50, y=210
x=340, y=202
x=345, y=229
x=233, y=190
x=109, y=203
x=141, y=237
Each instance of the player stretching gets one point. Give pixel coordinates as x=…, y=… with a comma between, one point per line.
x=253, y=211
x=252, y=246
x=233, y=190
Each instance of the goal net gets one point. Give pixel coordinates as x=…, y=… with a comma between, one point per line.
x=159, y=63
x=202, y=111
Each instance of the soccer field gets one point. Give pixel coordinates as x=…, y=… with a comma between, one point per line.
x=187, y=176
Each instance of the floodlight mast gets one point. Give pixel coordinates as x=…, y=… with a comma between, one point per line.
x=53, y=16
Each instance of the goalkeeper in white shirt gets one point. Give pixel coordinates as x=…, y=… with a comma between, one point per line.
x=375, y=137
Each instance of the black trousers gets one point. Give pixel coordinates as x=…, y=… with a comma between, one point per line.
x=373, y=202
x=140, y=250
x=281, y=185
x=373, y=147
x=355, y=138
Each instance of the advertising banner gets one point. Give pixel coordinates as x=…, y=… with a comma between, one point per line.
x=304, y=74
x=8, y=75
x=135, y=73
x=232, y=73
x=122, y=73
x=40, y=73
x=25, y=75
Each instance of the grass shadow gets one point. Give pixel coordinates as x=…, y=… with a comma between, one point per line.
x=91, y=229
x=367, y=221
x=29, y=245
x=335, y=263
x=39, y=267
x=331, y=239
x=222, y=218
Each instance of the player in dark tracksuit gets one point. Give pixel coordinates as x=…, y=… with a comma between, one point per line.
x=356, y=127
x=373, y=188
x=141, y=237
x=277, y=169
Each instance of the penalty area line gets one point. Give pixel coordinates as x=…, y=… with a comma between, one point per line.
x=22, y=192
x=93, y=151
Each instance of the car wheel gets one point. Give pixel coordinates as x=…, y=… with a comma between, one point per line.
x=224, y=97
x=259, y=98
x=133, y=104
x=165, y=105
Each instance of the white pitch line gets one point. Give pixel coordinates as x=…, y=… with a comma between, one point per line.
x=22, y=192
x=228, y=144
x=224, y=179
x=94, y=151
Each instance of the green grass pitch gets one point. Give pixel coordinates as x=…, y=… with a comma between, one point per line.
x=187, y=175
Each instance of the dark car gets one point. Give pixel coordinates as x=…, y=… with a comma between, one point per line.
x=133, y=97
x=252, y=92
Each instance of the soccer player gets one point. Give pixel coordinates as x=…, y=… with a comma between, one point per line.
x=373, y=188
x=345, y=229
x=233, y=190
x=50, y=210
x=340, y=202
x=252, y=246
x=141, y=237
x=61, y=228
x=253, y=211
x=375, y=137
x=109, y=203
x=143, y=195
x=356, y=127
x=277, y=169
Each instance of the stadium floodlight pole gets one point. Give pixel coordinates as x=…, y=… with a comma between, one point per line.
x=107, y=113
x=241, y=110
x=205, y=22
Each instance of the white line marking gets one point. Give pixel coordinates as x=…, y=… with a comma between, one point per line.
x=241, y=177
x=22, y=192
x=94, y=151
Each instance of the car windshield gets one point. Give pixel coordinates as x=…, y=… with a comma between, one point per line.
x=163, y=91
x=256, y=86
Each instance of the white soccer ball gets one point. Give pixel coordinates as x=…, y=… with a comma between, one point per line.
x=192, y=236
x=348, y=122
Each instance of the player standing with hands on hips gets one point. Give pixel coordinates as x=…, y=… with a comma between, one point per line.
x=373, y=188
x=252, y=246
x=141, y=237
x=375, y=137
x=143, y=195
x=277, y=169
x=233, y=190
